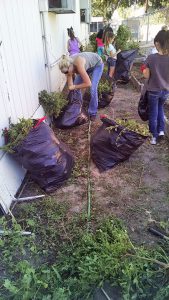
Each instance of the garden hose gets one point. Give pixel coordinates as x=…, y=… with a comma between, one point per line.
x=89, y=179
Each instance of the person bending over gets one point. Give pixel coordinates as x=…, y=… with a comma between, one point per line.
x=82, y=65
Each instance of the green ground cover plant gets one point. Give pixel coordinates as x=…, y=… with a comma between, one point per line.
x=52, y=103
x=63, y=260
x=16, y=133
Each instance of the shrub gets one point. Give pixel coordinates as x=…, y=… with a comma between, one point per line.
x=92, y=40
x=52, y=103
x=16, y=133
x=104, y=87
x=124, y=39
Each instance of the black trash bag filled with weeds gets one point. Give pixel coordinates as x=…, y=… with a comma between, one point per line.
x=143, y=107
x=105, y=93
x=72, y=114
x=48, y=160
x=113, y=143
x=105, y=99
x=124, y=64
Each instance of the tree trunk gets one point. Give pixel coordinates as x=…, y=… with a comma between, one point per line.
x=146, y=6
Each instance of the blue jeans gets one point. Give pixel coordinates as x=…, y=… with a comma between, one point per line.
x=156, y=111
x=96, y=73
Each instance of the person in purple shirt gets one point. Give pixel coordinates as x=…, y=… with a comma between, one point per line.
x=156, y=71
x=73, y=43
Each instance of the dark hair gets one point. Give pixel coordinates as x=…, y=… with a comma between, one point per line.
x=162, y=38
x=100, y=34
x=71, y=33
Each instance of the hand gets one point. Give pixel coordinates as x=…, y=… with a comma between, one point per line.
x=119, y=51
x=72, y=87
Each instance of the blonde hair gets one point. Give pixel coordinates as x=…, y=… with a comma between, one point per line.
x=64, y=63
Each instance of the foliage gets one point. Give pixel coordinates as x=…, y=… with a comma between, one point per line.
x=123, y=37
x=16, y=133
x=104, y=87
x=133, y=125
x=52, y=103
x=62, y=260
x=92, y=39
x=132, y=45
x=106, y=8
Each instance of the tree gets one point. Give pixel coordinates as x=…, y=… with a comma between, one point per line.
x=105, y=8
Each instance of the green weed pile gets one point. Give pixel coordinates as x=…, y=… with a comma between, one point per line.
x=52, y=103
x=104, y=87
x=62, y=260
x=16, y=133
x=130, y=124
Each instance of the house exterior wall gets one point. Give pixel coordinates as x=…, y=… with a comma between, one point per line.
x=57, y=38
x=31, y=45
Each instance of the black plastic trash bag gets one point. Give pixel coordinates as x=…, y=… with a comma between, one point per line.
x=72, y=114
x=124, y=64
x=105, y=99
x=49, y=161
x=143, y=107
x=109, y=147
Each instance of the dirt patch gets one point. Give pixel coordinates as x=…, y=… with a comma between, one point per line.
x=135, y=191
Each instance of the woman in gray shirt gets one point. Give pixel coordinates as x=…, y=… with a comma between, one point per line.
x=156, y=70
x=82, y=65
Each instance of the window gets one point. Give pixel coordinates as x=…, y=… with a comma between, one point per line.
x=93, y=27
x=62, y=6
x=83, y=13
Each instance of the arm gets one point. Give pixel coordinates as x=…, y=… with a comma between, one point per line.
x=146, y=73
x=112, y=54
x=80, y=63
x=146, y=67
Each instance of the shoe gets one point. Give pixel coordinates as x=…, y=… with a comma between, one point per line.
x=161, y=133
x=92, y=118
x=153, y=141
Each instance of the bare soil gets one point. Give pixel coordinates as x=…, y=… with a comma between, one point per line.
x=136, y=191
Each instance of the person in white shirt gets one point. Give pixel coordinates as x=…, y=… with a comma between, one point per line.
x=111, y=53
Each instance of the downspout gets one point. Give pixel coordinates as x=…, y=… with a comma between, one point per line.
x=46, y=51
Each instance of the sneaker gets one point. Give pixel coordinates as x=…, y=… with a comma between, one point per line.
x=153, y=141
x=161, y=133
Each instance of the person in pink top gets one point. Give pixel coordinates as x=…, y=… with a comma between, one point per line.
x=73, y=43
x=99, y=41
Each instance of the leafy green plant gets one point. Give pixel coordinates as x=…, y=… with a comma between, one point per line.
x=92, y=39
x=16, y=133
x=124, y=39
x=132, y=45
x=62, y=260
x=104, y=87
x=123, y=36
x=133, y=125
x=52, y=103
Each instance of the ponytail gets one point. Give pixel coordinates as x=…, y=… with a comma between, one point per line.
x=64, y=63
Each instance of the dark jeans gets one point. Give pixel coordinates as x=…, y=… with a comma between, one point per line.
x=111, y=62
x=156, y=111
